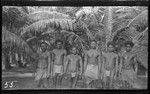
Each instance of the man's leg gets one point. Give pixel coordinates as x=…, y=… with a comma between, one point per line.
x=111, y=78
x=59, y=79
x=75, y=79
x=54, y=80
x=38, y=83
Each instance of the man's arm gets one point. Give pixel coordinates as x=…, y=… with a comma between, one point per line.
x=52, y=61
x=49, y=63
x=66, y=64
x=64, y=60
x=99, y=64
x=136, y=60
x=116, y=65
x=64, y=56
x=85, y=62
x=122, y=61
x=104, y=63
x=81, y=64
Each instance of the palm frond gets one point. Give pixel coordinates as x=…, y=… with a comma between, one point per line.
x=140, y=22
x=141, y=38
x=118, y=25
x=13, y=16
x=122, y=16
x=42, y=15
x=14, y=39
x=142, y=55
x=91, y=15
x=44, y=25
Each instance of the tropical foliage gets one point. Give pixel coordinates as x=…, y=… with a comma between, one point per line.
x=28, y=26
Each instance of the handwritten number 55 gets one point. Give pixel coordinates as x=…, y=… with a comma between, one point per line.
x=9, y=84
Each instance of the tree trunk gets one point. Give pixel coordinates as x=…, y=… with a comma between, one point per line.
x=108, y=23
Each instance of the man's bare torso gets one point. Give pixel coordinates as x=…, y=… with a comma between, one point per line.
x=109, y=60
x=59, y=56
x=127, y=57
x=92, y=57
x=43, y=59
x=73, y=62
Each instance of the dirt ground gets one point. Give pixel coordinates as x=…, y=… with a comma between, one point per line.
x=29, y=83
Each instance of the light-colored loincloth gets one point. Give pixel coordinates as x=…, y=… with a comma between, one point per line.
x=107, y=72
x=92, y=71
x=73, y=74
x=41, y=73
x=58, y=69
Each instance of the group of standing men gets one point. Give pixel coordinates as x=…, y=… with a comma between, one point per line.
x=91, y=66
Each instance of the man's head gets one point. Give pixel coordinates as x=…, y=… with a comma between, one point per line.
x=110, y=46
x=129, y=45
x=59, y=44
x=74, y=50
x=93, y=44
x=43, y=46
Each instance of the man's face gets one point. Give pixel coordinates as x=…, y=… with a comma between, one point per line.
x=128, y=48
x=110, y=48
x=93, y=45
x=59, y=45
x=43, y=47
x=73, y=50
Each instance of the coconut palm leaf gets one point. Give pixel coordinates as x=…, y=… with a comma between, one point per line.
x=142, y=38
x=90, y=15
x=44, y=25
x=142, y=55
x=42, y=15
x=14, y=39
x=125, y=12
x=136, y=25
x=13, y=16
x=122, y=17
x=140, y=22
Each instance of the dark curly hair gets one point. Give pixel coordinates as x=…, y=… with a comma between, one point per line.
x=129, y=43
x=59, y=41
x=43, y=43
x=110, y=43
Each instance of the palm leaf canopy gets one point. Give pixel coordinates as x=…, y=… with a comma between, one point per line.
x=140, y=22
x=91, y=15
x=123, y=16
x=136, y=25
x=142, y=55
x=13, y=16
x=44, y=25
x=15, y=40
x=42, y=15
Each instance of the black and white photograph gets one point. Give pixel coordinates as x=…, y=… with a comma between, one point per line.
x=68, y=47
x=76, y=0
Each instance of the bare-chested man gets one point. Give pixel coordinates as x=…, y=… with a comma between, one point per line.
x=110, y=64
x=129, y=64
x=73, y=66
x=59, y=56
x=42, y=70
x=92, y=64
